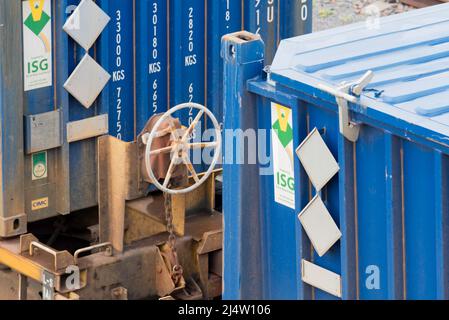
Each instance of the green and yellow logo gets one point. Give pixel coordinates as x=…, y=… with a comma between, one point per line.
x=282, y=126
x=38, y=20
x=284, y=132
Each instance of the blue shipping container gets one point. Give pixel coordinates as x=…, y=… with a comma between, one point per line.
x=362, y=212
x=75, y=70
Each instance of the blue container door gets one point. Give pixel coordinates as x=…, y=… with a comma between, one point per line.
x=152, y=61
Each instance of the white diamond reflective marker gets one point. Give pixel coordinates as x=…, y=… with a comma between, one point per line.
x=87, y=81
x=86, y=23
x=317, y=160
x=319, y=226
x=321, y=278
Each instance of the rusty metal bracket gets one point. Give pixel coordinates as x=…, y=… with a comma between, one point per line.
x=118, y=181
x=209, y=259
x=191, y=292
x=164, y=282
x=211, y=241
x=30, y=244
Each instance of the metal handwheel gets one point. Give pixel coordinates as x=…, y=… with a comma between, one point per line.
x=181, y=147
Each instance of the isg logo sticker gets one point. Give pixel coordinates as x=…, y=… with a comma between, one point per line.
x=283, y=161
x=37, y=44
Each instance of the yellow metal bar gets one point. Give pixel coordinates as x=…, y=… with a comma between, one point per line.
x=21, y=264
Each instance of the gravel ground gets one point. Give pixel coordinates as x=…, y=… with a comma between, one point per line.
x=334, y=13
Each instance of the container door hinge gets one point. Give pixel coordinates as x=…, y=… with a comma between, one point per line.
x=345, y=93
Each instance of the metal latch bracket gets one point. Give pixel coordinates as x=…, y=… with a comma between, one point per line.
x=345, y=93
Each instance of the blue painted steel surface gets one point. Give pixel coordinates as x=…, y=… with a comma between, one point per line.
x=188, y=64
x=295, y=18
x=142, y=42
x=81, y=153
x=390, y=197
x=243, y=257
x=116, y=55
x=152, y=60
x=223, y=17
x=262, y=17
x=276, y=20
x=187, y=52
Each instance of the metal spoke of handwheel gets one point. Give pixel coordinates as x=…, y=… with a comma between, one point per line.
x=169, y=173
x=189, y=166
x=163, y=132
x=161, y=151
x=202, y=145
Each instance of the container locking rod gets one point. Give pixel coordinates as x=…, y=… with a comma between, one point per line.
x=348, y=129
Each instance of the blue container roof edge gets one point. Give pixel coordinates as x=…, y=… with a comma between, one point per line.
x=409, y=55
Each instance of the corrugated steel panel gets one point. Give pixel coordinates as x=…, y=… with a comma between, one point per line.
x=187, y=61
x=262, y=17
x=295, y=18
x=158, y=54
x=389, y=198
x=152, y=60
x=115, y=53
x=223, y=17
x=276, y=20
